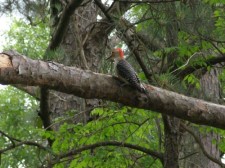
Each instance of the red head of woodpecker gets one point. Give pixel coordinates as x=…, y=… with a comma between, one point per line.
x=124, y=70
x=117, y=54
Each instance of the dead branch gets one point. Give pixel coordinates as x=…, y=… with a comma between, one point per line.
x=88, y=84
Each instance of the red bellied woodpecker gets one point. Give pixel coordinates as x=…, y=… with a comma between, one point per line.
x=124, y=70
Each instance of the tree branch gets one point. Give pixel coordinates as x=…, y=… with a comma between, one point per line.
x=18, y=143
x=31, y=90
x=113, y=143
x=63, y=24
x=191, y=69
x=30, y=143
x=103, y=9
x=9, y=137
x=18, y=69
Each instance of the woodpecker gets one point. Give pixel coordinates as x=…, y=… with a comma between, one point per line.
x=124, y=70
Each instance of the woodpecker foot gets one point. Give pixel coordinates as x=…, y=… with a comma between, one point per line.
x=121, y=83
x=124, y=84
x=116, y=77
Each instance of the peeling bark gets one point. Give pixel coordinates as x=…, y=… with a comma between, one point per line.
x=88, y=84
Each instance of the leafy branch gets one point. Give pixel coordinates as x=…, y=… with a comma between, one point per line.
x=110, y=143
x=16, y=143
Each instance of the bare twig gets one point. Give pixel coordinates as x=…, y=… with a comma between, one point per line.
x=190, y=69
x=189, y=155
x=131, y=133
x=187, y=62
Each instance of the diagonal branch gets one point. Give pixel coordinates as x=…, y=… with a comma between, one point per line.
x=18, y=143
x=113, y=143
x=9, y=137
x=103, y=9
x=191, y=69
x=18, y=69
x=31, y=90
x=63, y=24
x=29, y=143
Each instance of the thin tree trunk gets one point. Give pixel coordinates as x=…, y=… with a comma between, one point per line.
x=172, y=138
x=78, y=50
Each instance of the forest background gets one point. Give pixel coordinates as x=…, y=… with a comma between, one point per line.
x=55, y=115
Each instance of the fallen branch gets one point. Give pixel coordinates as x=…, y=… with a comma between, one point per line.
x=18, y=69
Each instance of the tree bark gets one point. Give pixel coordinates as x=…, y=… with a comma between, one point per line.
x=87, y=84
x=210, y=90
x=171, y=141
x=171, y=124
x=79, y=48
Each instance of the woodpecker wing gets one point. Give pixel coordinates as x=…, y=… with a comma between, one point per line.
x=127, y=72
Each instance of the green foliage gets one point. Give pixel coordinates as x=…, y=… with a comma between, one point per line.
x=18, y=119
x=184, y=48
x=142, y=77
x=124, y=124
x=215, y=2
x=219, y=14
x=128, y=125
x=56, y=55
x=192, y=80
x=19, y=111
x=28, y=40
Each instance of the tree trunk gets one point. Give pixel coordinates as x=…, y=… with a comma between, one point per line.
x=172, y=141
x=210, y=90
x=171, y=124
x=81, y=49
